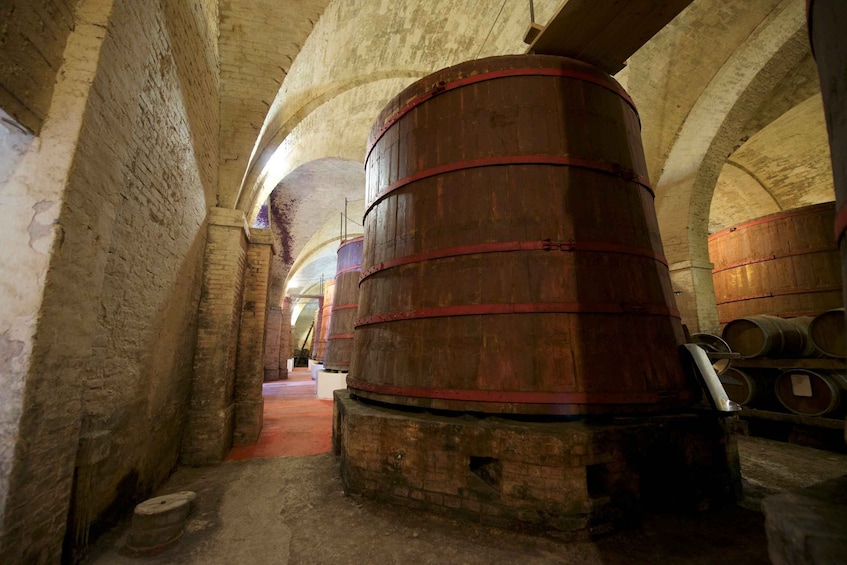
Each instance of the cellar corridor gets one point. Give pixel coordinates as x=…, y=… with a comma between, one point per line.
x=296, y=423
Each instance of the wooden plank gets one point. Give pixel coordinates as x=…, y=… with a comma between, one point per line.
x=605, y=33
x=765, y=363
x=829, y=423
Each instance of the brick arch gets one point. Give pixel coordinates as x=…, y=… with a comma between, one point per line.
x=331, y=108
x=713, y=129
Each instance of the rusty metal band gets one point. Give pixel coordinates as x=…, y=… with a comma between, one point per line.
x=510, y=246
x=783, y=293
x=345, y=307
x=341, y=336
x=771, y=218
x=441, y=88
x=350, y=241
x=840, y=223
x=348, y=269
x=521, y=397
x=557, y=160
x=774, y=257
x=524, y=308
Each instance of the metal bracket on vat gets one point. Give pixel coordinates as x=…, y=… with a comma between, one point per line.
x=709, y=379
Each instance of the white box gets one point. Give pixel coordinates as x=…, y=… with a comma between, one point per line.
x=329, y=382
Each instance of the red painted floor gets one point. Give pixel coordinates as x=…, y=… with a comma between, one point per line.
x=296, y=423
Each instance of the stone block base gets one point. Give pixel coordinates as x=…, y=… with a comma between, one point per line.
x=809, y=526
x=571, y=476
x=248, y=421
x=314, y=369
x=289, y=365
x=207, y=437
x=329, y=382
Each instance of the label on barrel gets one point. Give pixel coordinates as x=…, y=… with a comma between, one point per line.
x=801, y=385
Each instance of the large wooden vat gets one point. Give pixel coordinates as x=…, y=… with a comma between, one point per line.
x=342, y=324
x=786, y=264
x=322, y=328
x=512, y=259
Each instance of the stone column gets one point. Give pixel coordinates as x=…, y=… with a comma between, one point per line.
x=694, y=292
x=827, y=19
x=272, y=343
x=208, y=432
x=285, y=339
x=250, y=366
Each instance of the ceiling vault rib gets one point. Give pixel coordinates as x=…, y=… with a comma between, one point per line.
x=753, y=176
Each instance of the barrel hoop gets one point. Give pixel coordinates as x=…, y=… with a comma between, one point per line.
x=508, y=246
x=345, y=307
x=773, y=257
x=521, y=397
x=348, y=269
x=350, y=241
x=558, y=160
x=840, y=222
x=341, y=336
x=784, y=293
x=525, y=308
x=771, y=218
x=443, y=87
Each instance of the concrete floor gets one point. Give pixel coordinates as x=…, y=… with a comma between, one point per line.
x=292, y=510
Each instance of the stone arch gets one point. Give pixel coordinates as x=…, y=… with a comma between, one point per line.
x=713, y=130
x=259, y=181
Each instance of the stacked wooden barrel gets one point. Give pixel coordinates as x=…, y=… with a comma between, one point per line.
x=506, y=199
x=345, y=303
x=798, y=361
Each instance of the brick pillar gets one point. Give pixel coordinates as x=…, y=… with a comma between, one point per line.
x=250, y=366
x=285, y=339
x=208, y=432
x=272, y=344
x=694, y=293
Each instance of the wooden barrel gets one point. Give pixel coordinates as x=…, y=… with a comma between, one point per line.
x=742, y=387
x=512, y=259
x=827, y=331
x=786, y=264
x=325, y=317
x=339, y=348
x=811, y=393
x=711, y=343
x=769, y=336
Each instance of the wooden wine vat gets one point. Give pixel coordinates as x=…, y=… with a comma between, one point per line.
x=785, y=264
x=345, y=303
x=507, y=200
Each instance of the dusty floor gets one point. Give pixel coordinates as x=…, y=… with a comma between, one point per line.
x=290, y=509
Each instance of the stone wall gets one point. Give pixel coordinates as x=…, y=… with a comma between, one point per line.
x=111, y=358
x=32, y=43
